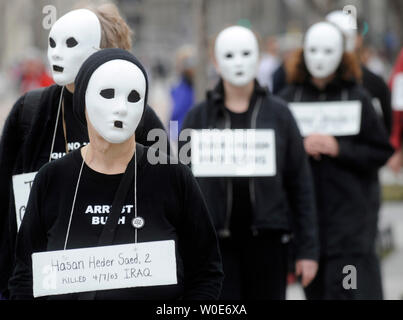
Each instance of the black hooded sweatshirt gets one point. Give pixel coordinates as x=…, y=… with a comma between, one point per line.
x=25, y=147
x=167, y=196
x=168, y=199
x=284, y=202
x=347, y=191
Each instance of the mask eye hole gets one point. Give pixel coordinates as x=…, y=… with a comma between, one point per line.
x=108, y=93
x=329, y=51
x=134, y=96
x=312, y=50
x=52, y=43
x=246, y=53
x=229, y=55
x=71, y=42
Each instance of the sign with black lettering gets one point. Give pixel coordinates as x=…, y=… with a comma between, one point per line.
x=338, y=118
x=397, y=92
x=102, y=268
x=22, y=184
x=233, y=153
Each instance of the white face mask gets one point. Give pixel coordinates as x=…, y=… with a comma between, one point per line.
x=72, y=39
x=115, y=98
x=237, y=55
x=348, y=25
x=323, y=50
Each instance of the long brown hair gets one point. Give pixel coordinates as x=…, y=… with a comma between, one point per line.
x=297, y=72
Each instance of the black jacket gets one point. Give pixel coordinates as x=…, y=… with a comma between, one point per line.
x=168, y=199
x=283, y=202
x=375, y=85
x=379, y=90
x=346, y=187
x=20, y=148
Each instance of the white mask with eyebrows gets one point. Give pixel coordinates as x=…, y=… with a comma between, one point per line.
x=115, y=99
x=237, y=55
x=323, y=49
x=72, y=39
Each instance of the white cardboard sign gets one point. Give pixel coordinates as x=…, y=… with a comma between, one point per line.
x=22, y=184
x=397, y=92
x=233, y=153
x=102, y=268
x=338, y=118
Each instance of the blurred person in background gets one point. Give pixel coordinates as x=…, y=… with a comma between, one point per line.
x=288, y=45
x=33, y=72
x=344, y=167
x=376, y=86
x=396, y=85
x=182, y=93
x=269, y=63
x=255, y=217
x=41, y=126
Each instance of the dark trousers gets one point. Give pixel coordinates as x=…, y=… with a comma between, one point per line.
x=328, y=283
x=255, y=268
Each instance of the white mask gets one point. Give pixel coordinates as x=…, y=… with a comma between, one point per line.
x=115, y=99
x=237, y=55
x=323, y=49
x=72, y=39
x=347, y=24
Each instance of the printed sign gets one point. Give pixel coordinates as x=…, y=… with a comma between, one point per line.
x=397, y=92
x=339, y=118
x=22, y=184
x=233, y=153
x=103, y=268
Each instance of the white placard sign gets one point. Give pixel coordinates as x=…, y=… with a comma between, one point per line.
x=22, y=184
x=233, y=153
x=102, y=268
x=338, y=118
x=397, y=92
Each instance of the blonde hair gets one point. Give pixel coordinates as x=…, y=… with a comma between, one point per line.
x=115, y=31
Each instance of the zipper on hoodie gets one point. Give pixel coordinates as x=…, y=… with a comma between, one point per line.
x=252, y=191
x=225, y=233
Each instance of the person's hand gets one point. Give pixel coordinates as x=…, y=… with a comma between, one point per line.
x=329, y=146
x=307, y=270
x=312, y=146
x=317, y=144
x=396, y=161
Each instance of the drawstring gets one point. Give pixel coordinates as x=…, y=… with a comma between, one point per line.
x=56, y=124
x=74, y=200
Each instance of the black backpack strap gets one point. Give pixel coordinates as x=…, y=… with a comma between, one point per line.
x=29, y=109
x=108, y=232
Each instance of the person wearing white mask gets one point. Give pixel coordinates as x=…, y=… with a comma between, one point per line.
x=353, y=30
x=255, y=216
x=324, y=95
x=113, y=172
x=41, y=127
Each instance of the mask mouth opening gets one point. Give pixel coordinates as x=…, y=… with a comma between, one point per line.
x=57, y=68
x=239, y=73
x=118, y=124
